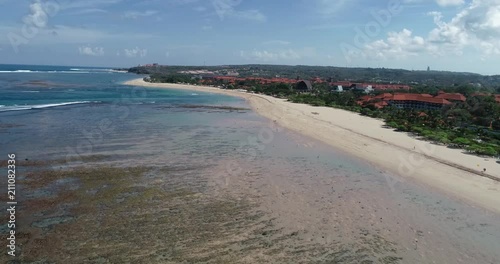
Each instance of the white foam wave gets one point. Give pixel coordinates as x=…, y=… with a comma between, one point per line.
x=29, y=71
x=89, y=69
x=41, y=106
x=18, y=71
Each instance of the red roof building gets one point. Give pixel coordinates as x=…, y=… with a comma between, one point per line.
x=383, y=96
x=454, y=97
x=405, y=101
x=381, y=104
x=417, y=101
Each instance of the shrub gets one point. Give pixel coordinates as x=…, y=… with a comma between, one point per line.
x=393, y=124
x=461, y=141
x=417, y=129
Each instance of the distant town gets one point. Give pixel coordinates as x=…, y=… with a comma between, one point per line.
x=395, y=92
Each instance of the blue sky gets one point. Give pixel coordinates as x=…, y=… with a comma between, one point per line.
x=457, y=35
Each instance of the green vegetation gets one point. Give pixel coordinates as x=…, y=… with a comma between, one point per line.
x=460, y=125
x=174, y=78
x=457, y=125
x=428, y=80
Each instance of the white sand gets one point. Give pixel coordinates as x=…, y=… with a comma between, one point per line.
x=449, y=170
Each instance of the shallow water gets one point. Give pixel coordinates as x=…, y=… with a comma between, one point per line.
x=323, y=197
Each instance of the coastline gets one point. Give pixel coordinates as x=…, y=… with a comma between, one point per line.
x=439, y=167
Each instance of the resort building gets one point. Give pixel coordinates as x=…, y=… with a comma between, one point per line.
x=304, y=86
x=404, y=101
x=417, y=101
x=452, y=97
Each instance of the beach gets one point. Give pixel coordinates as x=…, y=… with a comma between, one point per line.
x=114, y=173
x=451, y=171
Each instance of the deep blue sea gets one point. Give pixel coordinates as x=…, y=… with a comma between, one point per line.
x=59, y=112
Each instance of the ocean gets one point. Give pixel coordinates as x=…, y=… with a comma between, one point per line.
x=109, y=172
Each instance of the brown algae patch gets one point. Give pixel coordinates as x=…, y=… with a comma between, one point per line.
x=59, y=162
x=124, y=215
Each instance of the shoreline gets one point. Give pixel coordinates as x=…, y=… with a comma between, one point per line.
x=439, y=167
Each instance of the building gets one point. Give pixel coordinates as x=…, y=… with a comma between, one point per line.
x=233, y=73
x=452, y=97
x=376, y=87
x=337, y=89
x=403, y=101
x=304, y=86
x=417, y=101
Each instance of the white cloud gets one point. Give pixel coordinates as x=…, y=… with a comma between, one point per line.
x=398, y=45
x=87, y=50
x=329, y=7
x=276, y=42
x=89, y=11
x=75, y=35
x=39, y=14
x=135, y=52
x=227, y=8
x=136, y=14
x=182, y=2
x=253, y=15
x=450, y=2
x=270, y=56
x=79, y=4
x=474, y=26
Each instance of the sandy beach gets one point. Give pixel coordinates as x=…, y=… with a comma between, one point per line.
x=449, y=170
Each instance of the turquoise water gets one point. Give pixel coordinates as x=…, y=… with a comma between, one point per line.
x=35, y=87
x=53, y=110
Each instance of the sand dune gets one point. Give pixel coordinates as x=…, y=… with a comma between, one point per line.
x=449, y=170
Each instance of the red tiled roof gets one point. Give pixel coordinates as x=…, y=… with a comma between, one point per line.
x=347, y=84
x=383, y=96
x=260, y=80
x=452, y=96
x=365, y=98
x=380, y=104
x=419, y=98
x=390, y=87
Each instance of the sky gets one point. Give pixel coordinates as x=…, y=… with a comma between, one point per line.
x=451, y=35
